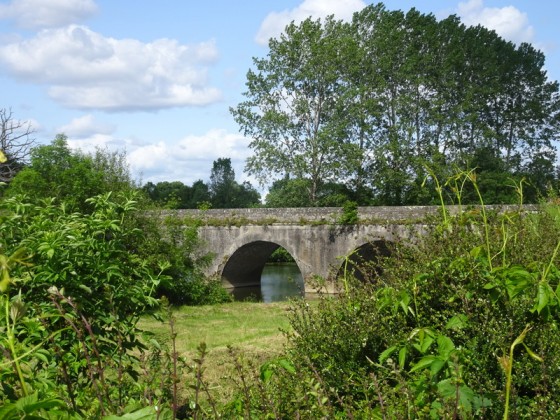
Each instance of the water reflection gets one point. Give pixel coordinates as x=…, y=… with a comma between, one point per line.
x=279, y=281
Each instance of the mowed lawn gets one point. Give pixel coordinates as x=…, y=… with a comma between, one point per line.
x=253, y=330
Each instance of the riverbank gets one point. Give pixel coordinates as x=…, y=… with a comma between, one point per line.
x=252, y=330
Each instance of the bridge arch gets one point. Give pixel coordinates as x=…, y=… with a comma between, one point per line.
x=245, y=265
x=240, y=252
x=362, y=262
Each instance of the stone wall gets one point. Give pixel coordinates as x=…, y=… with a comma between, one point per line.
x=316, y=215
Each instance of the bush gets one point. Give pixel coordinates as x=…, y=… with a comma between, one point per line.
x=73, y=293
x=194, y=291
x=176, y=241
x=463, y=324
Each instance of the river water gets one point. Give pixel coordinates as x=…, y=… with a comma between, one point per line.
x=279, y=281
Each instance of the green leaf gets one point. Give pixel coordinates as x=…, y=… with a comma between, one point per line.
x=445, y=346
x=8, y=411
x=385, y=354
x=30, y=404
x=466, y=396
x=516, y=281
x=532, y=353
x=402, y=357
x=423, y=363
x=457, y=322
x=287, y=365
x=50, y=253
x=266, y=372
x=437, y=365
x=147, y=413
x=85, y=288
x=542, y=296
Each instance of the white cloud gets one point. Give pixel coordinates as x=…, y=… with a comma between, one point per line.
x=47, y=13
x=508, y=22
x=85, y=70
x=191, y=158
x=275, y=22
x=86, y=126
x=214, y=144
x=149, y=157
x=91, y=143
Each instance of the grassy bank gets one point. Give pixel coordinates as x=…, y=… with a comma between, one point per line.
x=253, y=330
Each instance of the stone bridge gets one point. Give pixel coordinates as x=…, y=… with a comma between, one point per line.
x=242, y=240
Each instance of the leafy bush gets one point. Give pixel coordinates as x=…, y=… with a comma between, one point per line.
x=196, y=290
x=462, y=324
x=176, y=241
x=72, y=177
x=72, y=294
x=349, y=214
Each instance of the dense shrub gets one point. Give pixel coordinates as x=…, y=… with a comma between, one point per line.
x=176, y=241
x=72, y=292
x=463, y=324
x=196, y=290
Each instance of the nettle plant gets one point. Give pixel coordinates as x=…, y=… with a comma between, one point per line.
x=72, y=291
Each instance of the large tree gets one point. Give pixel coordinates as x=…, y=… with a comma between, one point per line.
x=225, y=191
x=293, y=107
x=373, y=103
x=15, y=144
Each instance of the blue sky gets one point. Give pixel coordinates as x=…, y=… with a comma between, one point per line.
x=158, y=78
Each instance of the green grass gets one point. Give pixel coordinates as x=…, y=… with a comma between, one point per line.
x=254, y=330
x=238, y=324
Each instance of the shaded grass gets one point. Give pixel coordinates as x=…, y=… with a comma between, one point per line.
x=253, y=330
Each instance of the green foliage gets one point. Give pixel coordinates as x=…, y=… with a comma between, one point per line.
x=71, y=177
x=176, y=241
x=176, y=195
x=436, y=332
x=280, y=255
x=349, y=213
x=288, y=193
x=201, y=291
x=373, y=101
x=303, y=139
x=295, y=193
x=74, y=294
x=225, y=192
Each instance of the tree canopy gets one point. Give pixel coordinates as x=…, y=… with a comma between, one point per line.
x=372, y=102
x=71, y=176
x=223, y=191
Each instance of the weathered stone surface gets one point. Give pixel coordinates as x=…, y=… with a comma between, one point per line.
x=241, y=252
x=241, y=240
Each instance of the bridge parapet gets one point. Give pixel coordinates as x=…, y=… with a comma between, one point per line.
x=320, y=215
x=305, y=215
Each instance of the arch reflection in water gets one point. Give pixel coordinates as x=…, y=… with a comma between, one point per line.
x=279, y=281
